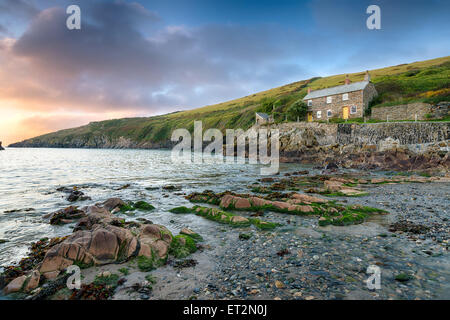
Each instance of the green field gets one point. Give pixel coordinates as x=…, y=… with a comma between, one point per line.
x=427, y=81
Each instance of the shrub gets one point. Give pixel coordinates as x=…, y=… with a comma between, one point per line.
x=297, y=110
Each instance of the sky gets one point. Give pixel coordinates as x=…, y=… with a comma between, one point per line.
x=143, y=58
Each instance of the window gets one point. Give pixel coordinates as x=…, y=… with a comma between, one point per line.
x=353, y=110
x=309, y=103
x=329, y=113
x=319, y=114
x=345, y=97
x=329, y=99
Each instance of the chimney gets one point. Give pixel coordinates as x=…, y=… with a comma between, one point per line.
x=367, y=76
x=347, y=80
x=309, y=90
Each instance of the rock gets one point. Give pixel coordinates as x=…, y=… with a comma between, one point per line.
x=308, y=199
x=332, y=186
x=279, y=284
x=281, y=204
x=15, y=285
x=351, y=192
x=113, y=203
x=187, y=231
x=104, y=274
x=229, y=200
x=101, y=245
x=66, y=215
x=242, y=203
x=33, y=281
x=77, y=195
x=155, y=238
x=388, y=144
x=259, y=202
x=299, y=208
x=238, y=219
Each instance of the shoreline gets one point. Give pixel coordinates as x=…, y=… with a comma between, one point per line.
x=301, y=259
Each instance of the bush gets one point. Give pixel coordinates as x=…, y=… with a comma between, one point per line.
x=297, y=110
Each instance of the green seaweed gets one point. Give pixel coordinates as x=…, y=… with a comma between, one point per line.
x=181, y=210
x=142, y=205
x=245, y=236
x=182, y=245
x=125, y=271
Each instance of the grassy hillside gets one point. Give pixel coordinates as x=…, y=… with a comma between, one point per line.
x=426, y=81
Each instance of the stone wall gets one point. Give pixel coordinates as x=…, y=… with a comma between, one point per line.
x=404, y=132
x=295, y=135
x=402, y=112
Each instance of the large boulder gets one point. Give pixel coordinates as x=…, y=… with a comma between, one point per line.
x=101, y=245
x=25, y=283
x=16, y=285
x=155, y=238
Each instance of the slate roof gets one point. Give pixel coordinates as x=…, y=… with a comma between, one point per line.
x=263, y=115
x=345, y=88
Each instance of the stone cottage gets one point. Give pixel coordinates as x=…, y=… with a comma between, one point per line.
x=263, y=118
x=349, y=100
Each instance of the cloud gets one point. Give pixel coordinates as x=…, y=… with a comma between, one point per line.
x=112, y=64
x=127, y=59
x=18, y=8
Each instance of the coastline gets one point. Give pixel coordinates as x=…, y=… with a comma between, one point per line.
x=298, y=259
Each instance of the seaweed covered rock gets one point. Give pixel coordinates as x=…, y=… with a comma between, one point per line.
x=232, y=219
x=221, y=216
x=182, y=246
x=101, y=245
x=155, y=241
x=307, y=199
x=192, y=234
x=130, y=206
x=101, y=238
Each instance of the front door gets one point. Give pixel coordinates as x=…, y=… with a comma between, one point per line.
x=345, y=113
x=310, y=117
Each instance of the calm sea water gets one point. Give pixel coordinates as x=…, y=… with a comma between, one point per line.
x=29, y=179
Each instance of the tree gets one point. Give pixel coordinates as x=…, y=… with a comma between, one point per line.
x=297, y=110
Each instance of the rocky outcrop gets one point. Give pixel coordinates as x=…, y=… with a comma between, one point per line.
x=99, y=238
x=25, y=283
x=1, y=148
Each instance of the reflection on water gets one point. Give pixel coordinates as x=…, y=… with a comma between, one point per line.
x=29, y=179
